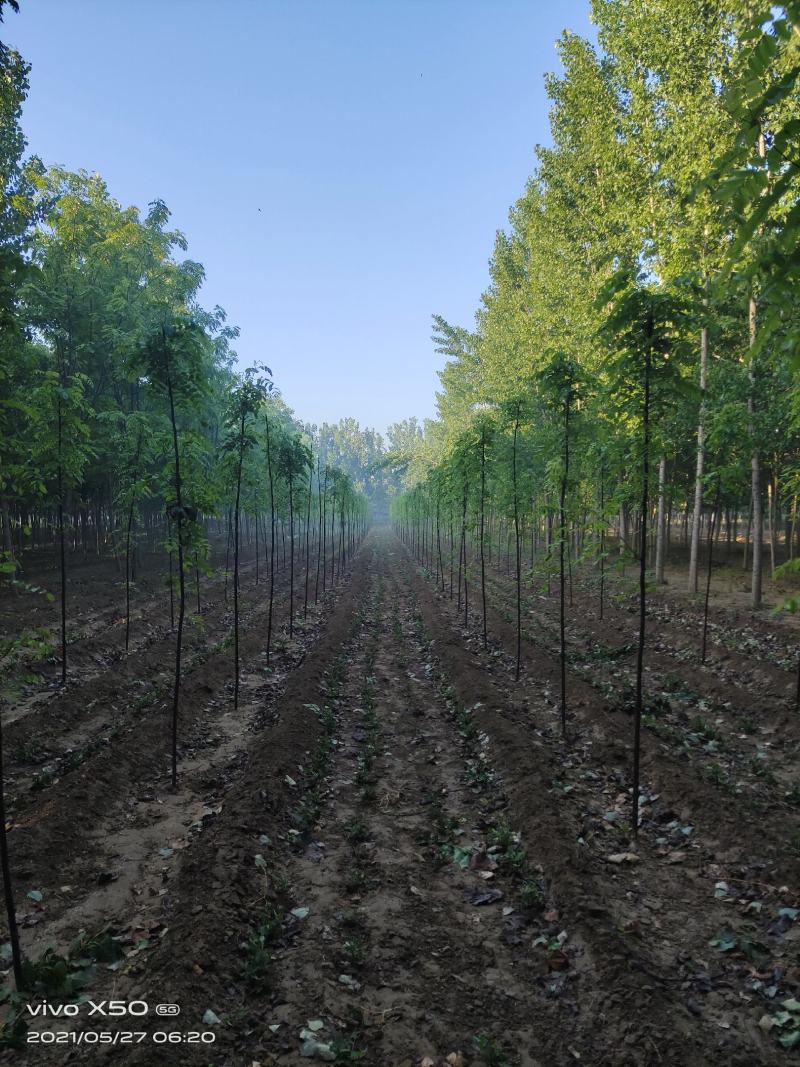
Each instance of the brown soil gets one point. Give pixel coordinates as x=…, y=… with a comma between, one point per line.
x=391, y=847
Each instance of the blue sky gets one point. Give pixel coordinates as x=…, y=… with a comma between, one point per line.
x=383, y=143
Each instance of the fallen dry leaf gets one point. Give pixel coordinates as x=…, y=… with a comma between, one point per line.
x=623, y=857
x=490, y=896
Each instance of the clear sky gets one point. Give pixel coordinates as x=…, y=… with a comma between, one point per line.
x=340, y=168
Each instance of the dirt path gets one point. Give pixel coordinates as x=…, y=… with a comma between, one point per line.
x=414, y=928
x=394, y=859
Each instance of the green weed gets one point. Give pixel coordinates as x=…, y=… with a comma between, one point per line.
x=490, y=1051
x=356, y=830
x=354, y=950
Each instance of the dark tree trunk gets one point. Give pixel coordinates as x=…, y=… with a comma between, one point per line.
x=62, y=550
x=483, y=559
x=236, y=566
x=714, y=519
x=637, y=728
x=321, y=532
x=308, y=530
x=128, y=537
x=5, y=864
x=291, y=553
x=271, y=539
x=518, y=561
x=171, y=581
x=562, y=537
x=181, y=577
x=602, y=540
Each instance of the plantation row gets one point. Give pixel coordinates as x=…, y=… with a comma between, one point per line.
x=127, y=432
x=633, y=365
x=410, y=860
x=260, y=462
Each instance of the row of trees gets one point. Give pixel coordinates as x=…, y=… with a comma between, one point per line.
x=124, y=423
x=121, y=407
x=633, y=364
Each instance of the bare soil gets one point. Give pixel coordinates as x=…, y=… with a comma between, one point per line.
x=389, y=854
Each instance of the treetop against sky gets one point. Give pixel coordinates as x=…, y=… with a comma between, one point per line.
x=340, y=170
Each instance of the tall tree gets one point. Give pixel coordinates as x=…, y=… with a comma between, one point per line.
x=174, y=357
x=246, y=399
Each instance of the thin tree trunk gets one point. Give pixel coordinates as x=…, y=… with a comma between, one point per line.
x=602, y=540
x=236, y=566
x=228, y=539
x=333, y=538
x=562, y=535
x=181, y=578
x=700, y=466
x=708, y=575
x=171, y=581
x=8, y=891
x=308, y=529
x=772, y=494
x=256, y=523
x=62, y=547
x=439, y=539
x=637, y=728
x=661, y=520
x=321, y=542
x=8, y=544
x=464, y=553
x=271, y=539
x=518, y=561
x=792, y=527
x=755, y=458
x=483, y=560
x=623, y=529
x=755, y=476
x=291, y=553
x=128, y=534
x=452, y=549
